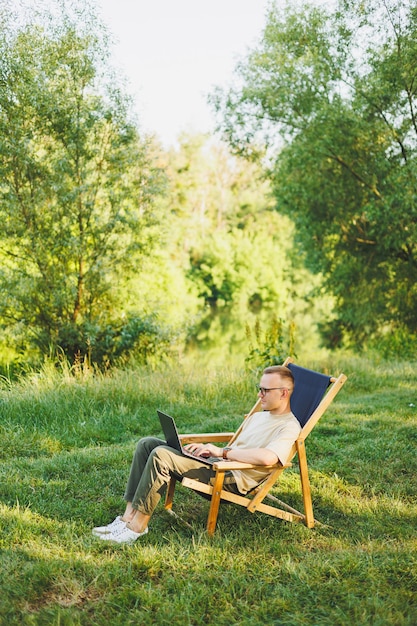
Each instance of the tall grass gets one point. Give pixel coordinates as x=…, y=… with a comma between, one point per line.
x=67, y=439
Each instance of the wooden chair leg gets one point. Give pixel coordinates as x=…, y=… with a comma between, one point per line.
x=305, y=484
x=170, y=493
x=215, y=503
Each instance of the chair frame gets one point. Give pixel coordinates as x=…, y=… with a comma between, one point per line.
x=254, y=501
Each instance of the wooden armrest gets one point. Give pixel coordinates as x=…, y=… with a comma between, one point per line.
x=205, y=437
x=224, y=466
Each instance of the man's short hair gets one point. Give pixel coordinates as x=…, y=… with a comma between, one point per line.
x=284, y=372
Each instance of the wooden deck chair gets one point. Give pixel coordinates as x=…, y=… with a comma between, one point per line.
x=313, y=394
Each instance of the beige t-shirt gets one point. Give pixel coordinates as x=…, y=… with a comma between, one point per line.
x=263, y=430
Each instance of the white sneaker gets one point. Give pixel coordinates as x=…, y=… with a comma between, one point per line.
x=122, y=535
x=114, y=525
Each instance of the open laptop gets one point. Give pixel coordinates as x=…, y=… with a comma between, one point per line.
x=172, y=438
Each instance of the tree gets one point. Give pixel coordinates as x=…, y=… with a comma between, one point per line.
x=235, y=249
x=332, y=96
x=78, y=185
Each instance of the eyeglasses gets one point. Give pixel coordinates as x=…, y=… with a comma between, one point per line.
x=263, y=390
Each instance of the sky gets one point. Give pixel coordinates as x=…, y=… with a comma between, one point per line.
x=173, y=53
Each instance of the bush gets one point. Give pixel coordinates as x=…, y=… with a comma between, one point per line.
x=396, y=342
x=142, y=338
x=271, y=347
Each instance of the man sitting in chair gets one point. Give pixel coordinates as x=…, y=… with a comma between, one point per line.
x=265, y=438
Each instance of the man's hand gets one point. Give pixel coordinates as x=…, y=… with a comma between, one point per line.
x=203, y=450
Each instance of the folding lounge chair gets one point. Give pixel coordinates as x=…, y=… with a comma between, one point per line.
x=313, y=394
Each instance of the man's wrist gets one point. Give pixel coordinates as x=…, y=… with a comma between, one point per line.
x=224, y=452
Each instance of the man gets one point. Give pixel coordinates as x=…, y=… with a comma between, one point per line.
x=265, y=438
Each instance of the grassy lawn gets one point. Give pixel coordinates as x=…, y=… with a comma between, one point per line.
x=66, y=447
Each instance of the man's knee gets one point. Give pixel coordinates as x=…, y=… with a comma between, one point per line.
x=147, y=444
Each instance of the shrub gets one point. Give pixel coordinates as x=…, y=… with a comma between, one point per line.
x=271, y=347
x=141, y=338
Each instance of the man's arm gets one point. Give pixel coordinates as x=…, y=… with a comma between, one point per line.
x=257, y=456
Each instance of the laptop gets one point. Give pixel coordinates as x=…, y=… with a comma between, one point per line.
x=172, y=438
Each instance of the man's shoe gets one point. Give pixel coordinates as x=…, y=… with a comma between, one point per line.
x=113, y=526
x=122, y=535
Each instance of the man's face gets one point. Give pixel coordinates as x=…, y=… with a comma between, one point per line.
x=273, y=398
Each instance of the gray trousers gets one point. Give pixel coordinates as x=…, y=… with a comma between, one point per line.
x=153, y=465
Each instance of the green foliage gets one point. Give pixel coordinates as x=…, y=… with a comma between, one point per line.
x=271, y=347
x=67, y=439
x=237, y=251
x=396, y=343
x=85, y=250
x=140, y=338
x=87, y=265
x=78, y=184
x=336, y=92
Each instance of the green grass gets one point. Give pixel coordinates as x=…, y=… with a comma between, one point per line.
x=66, y=446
